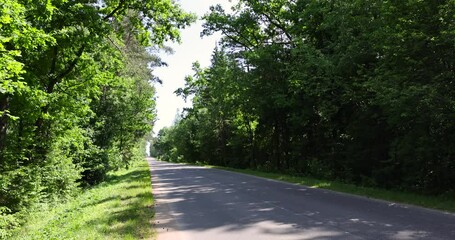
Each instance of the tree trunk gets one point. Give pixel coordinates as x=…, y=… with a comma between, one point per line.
x=4, y=105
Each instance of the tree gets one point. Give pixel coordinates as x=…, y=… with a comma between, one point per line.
x=353, y=90
x=75, y=91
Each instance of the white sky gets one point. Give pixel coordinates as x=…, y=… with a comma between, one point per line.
x=193, y=48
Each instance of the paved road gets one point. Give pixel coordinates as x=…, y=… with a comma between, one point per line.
x=199, y=203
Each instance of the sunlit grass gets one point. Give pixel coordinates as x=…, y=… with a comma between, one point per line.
x=120, y=208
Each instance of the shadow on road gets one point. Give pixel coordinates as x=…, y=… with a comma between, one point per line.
x=208, y=200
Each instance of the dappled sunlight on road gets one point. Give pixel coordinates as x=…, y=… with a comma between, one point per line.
x=194, y=202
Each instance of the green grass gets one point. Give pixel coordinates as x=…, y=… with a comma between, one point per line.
x=120, y=208
x=445, y=203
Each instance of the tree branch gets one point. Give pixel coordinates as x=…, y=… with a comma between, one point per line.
x=54, y=60
x=119, y=6
x=64, y=73
x=235, y=40
x=278, y=25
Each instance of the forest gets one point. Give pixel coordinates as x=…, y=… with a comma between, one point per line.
x=76, y=94
x=358, y=91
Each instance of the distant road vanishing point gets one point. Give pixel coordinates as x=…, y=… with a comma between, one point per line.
x=198, y=203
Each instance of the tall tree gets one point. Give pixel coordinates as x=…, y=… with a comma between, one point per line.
x=75, y=91
x=353, y=90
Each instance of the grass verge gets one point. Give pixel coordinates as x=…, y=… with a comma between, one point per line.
x=445, y=203
x=120, y=208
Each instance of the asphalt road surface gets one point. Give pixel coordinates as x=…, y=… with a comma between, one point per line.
x=207, y=204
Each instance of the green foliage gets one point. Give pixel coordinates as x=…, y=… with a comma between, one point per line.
x=119, y=208
x=358, y=91
x=75, y=93
x=8, y=221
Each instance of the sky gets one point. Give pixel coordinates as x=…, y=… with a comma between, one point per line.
x=192, y=48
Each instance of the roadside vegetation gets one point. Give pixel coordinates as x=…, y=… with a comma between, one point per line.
x=357, y=92
x=76, y=94
x=119, y=208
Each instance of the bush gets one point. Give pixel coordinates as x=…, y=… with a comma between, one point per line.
x=8, y=222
